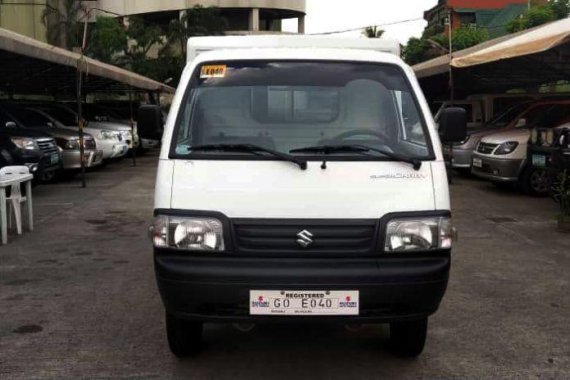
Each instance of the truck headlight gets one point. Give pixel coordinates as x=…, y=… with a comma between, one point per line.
x=190, y=234
x=506, y=148
x=25, y=143
x=418, y=234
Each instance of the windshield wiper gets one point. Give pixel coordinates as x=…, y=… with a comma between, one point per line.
x=355, y=148
x=249, y=148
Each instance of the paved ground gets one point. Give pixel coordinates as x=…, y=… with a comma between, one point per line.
x=78, y=298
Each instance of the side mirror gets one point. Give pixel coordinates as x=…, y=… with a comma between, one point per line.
x=453, y=125
x=149, y=122
x=521, y=123
x=11, y=124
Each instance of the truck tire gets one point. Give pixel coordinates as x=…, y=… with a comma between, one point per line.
x=184, y=337
x=534, y=181
x=408, y=338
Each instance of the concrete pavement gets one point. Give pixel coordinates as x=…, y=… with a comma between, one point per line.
x=78, y=298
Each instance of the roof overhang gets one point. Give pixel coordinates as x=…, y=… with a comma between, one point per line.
x=33, y=67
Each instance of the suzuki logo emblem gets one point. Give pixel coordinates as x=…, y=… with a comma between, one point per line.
x=305, y=238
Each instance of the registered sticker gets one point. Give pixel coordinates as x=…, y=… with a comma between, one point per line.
x=213, y=71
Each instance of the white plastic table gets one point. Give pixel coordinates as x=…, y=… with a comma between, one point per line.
x=4, y=184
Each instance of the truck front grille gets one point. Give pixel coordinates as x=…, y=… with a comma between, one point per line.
x=282, y=237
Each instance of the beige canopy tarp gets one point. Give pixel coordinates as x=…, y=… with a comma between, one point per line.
x=524, y=60
x=537, y=40
x=534, y=41
x=30, y=65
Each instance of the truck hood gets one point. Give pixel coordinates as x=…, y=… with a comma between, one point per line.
x=269, y=189
x=520, y=135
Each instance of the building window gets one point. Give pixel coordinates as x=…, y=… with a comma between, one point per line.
x=468, y=19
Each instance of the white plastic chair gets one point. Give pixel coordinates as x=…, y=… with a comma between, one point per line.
x=16, y=198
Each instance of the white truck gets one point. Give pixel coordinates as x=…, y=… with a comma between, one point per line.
x=300, y=182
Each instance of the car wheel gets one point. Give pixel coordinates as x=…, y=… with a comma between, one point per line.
x=184, y=337
x=408, y=338
x=535, y=182
x=48, y=176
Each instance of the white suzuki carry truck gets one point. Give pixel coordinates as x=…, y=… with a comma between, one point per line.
x=300, y=184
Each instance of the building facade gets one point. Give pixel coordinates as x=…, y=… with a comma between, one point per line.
x=243, y=16
x=493, y=15
x=24, y=17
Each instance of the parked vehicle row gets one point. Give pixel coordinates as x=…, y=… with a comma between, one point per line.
x=498, y=151
x=45, y=137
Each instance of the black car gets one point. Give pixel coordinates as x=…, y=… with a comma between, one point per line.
x=35, y=149
x=549, y=150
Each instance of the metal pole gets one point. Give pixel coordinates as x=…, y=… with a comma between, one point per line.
x=80, y=108
x=451, y=83
x=133, y=152
x=80, y=123
x=451, y=89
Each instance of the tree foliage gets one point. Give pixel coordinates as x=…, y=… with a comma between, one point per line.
x=61, y=21
x=431, y=46
x=135, y=44
x=373, y=32
x=417, y=50
x=540, y=14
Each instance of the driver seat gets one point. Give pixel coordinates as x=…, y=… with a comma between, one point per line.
x=358, y=110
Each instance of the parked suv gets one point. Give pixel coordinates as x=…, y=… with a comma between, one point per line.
x=35, y=149
x=67, y=140
x=502, y=157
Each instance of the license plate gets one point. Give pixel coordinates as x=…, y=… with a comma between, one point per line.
x=477, y=162
x=299, y=302
x=538, y=160
x=54, y=158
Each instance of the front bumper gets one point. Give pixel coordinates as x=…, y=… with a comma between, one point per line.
x=72, y=159
x=119, y=150
x=217, y=288
x=498, y=170
x=149, y=144
x=462, y=158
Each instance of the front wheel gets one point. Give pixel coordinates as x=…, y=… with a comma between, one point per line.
x=534, y=181
x=408, y=338
x=184, y=337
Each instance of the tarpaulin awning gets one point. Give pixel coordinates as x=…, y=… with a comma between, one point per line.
x=534, y=41
x=34, y=67
x=524, y=60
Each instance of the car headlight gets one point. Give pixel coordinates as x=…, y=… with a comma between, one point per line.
x=68, y=144
x=25, y=143
x=190, y=234
x=418, y=234
x=507, y=148
x=108, y=135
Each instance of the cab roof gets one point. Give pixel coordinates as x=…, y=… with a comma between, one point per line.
x=299, y=54
x=199, y=45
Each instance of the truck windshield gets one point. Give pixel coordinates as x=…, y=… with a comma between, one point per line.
x=288, y=106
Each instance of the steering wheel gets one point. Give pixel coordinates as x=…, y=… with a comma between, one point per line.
x=362, y=132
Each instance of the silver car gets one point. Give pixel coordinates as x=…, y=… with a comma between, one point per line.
x=462, y=152
x=113, y=143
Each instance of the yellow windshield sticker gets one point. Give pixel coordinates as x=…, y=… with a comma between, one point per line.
x=213, y=71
